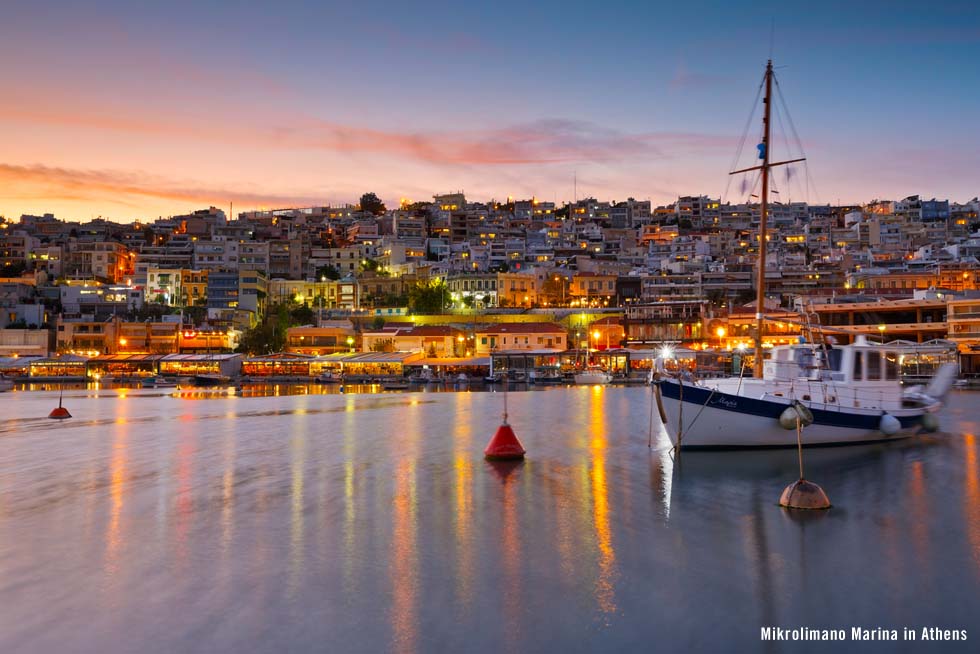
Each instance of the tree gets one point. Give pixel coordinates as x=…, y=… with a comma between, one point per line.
x=369, y=265
x=378, y=323
x=383, y=345
x=329, y=271
x=373, y=204
x=428, y=297
x=301, y=315
x=469, y=300
x=13, y=269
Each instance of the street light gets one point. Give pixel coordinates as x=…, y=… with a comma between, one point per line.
x=350, y=343
x=720, y=332
x=881, y=330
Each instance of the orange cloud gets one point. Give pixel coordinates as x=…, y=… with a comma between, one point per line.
x=540, y=142
x=127, y=188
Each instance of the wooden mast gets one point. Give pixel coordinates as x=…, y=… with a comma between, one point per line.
x=760, y=299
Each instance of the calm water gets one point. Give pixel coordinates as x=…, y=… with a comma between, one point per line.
x=371, y=523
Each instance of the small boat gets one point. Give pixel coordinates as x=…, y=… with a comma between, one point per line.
x=157, y=381
x=328, y=377
x=547, y=375
x=593, y=375
x=5, y=384
x=395, y=384
x=211, y=380
x=461, y=379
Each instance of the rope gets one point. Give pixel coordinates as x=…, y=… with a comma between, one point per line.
x=745, y=133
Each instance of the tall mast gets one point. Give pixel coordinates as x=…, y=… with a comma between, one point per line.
x=760, y=300
x=767, y=163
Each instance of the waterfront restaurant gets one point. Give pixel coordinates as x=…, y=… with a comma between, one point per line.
x=470, y=366
x=364, y=364
x=124, y=365
x=614, y=361
x=17, y=366
x=526, y=360
x=186, y=365
x=280, y=364
x=67, y=367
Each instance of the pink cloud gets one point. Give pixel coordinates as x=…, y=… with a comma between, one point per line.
x=127, y=188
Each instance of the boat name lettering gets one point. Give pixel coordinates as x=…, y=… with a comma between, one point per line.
x=725, y=402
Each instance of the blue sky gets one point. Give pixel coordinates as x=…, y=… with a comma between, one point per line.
x=129, y=112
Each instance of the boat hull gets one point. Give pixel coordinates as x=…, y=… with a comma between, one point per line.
x=716, y=420
x=592, y=378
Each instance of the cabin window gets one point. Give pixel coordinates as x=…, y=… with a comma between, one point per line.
x=858, y=358
x=891, y=367
x=834, y=358
x=874, y=366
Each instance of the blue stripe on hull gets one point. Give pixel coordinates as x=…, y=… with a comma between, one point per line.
x=738, y=404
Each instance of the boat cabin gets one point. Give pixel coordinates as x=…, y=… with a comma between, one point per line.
x=856, y=363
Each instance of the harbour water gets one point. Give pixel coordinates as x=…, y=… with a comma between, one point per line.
x=203, y=522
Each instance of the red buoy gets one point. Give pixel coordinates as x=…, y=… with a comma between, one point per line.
x=59, y=413
x=504, y=445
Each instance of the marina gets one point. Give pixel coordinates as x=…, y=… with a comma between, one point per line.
x=172, y=521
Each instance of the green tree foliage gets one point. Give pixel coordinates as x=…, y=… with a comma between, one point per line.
x=372, y=203
x=301, y=315
x=329, y=271
x=369, y=265
x=383, y=345
x=431, y=297
x=12, y=269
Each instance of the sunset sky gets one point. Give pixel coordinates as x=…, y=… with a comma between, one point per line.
x=129, y=111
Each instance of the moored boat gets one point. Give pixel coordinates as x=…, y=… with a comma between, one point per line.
x=592, y=375
x=852, y=392
x=156, y=381
x=328, y=377
x=847, y=394
x=545, y=375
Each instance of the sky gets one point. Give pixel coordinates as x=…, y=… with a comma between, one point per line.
x=136, y=110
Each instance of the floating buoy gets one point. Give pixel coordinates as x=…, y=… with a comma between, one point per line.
x=60, y=412
x=930, y=422
x=889, y=425
x=504, y=445
x=803, y=494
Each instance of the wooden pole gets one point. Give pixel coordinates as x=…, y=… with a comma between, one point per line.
x=763, y=214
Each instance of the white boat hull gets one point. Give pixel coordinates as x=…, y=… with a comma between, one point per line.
x=720, y=420
x=592, y=378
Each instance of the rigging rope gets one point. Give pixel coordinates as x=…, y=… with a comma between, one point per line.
x=745, y=133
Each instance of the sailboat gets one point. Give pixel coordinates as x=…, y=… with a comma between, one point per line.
x=843, y=394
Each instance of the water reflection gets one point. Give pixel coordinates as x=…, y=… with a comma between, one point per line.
x=605, y=582
x=971, y=497
x=117, y=489
x=297, y=470
x=189, y=526
x=403, y=563
x=463, y=514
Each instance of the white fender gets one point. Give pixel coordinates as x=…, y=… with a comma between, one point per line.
x=889, y=425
